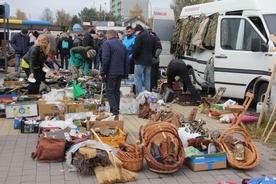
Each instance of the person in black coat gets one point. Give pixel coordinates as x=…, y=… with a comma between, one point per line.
x=143, y=51
x=178, y=67
x=64, y=45
x=34, y=60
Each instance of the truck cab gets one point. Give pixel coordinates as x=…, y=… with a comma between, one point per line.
x=241, y=59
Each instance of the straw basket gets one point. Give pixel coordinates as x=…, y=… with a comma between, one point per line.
x=155, y=132
x=252, y=156
x=132, y=161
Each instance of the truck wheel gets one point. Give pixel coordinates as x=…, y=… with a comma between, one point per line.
x=262, y=92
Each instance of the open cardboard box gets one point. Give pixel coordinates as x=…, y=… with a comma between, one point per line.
x=112, y=141
x=207, y=161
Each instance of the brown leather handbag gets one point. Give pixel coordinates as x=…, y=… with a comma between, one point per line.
x=50, y=150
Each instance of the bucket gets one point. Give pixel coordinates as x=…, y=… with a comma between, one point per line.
x=259, y=107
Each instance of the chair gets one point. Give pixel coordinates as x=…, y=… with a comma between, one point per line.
x=239, y=110
x=213, y=100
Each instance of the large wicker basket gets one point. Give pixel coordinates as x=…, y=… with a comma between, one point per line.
x=155, y=132
x=252, y=156
x=132, y=161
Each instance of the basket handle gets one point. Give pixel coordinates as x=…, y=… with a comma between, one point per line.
x=134, y=142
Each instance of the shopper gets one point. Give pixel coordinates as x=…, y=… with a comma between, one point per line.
x=20, y=42
x=115, y=67
x=177, y=67
x=129, y=42
x=33, y=62
x=80, y=57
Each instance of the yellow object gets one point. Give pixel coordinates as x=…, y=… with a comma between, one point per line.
x=113, y=141
x=24, y=64
x=11, y=21
x=88, y=152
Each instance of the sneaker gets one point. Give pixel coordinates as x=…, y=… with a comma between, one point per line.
x=116, y=118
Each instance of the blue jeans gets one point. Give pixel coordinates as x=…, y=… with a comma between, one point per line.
x=97, y=61
x=139, y=72
x=18, y=58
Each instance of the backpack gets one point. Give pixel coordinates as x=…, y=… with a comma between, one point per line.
x=65, y=44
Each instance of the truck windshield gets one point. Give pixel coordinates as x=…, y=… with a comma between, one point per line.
x=271, y=24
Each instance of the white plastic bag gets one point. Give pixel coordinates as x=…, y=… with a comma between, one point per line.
x=185, y=135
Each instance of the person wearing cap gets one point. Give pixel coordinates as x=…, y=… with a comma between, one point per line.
x=143, y=51
x=21, y=44
x=80, y=57
x=78, y=41
x=115, y=67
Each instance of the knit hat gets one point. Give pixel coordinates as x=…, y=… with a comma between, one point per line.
x=138, y=28
x=91, y=53
x=24, y=31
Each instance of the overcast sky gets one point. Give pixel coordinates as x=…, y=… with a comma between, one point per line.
x=34, y=8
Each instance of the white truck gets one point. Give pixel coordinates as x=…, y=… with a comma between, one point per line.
x=242, y=58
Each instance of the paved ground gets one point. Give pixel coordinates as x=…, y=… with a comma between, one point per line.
x=16, y=166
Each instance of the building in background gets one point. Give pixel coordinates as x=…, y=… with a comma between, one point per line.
x=122, y=7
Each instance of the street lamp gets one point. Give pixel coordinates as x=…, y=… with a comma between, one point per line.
x=151, y=13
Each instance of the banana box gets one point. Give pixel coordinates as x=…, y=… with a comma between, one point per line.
x=21, y=109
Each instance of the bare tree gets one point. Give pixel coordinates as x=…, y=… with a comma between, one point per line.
x=137, y=12
x=47, y=15
x=20, y=15
x=63, y=18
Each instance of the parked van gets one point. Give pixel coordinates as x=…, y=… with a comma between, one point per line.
x=241, y=58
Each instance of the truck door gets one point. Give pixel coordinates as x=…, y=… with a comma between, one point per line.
x=163, y=23
x=235, y=64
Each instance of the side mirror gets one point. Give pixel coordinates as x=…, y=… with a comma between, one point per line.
x=257, y=46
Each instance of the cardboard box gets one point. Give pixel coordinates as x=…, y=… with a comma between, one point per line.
x=21, y=109
x=113, y=141
x=105, y=124
x=13, y=83
x=10, y=69
x=74, y=107
x=51, y=109
x=207, y=161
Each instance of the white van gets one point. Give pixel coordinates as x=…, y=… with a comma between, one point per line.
x=243, y=52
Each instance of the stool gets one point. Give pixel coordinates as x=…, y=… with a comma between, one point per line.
x=214, y=100
x=239, y=110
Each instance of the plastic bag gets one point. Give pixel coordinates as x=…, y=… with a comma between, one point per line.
x=77, y=90
x=185, y=134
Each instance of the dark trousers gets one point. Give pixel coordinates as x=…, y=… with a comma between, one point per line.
x=179, y=68
x=113, y=84
x=154, y=75
x=33, y=88
x=131, y=66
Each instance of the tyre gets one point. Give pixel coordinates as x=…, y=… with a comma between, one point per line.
x=262, y=92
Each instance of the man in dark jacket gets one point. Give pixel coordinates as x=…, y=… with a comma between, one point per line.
x=177, y=67
x=115, y=66
x=143, y=51
x=155, y=61
x=78, y=41
x=21, y=44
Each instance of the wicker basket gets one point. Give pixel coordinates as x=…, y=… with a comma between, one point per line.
x=252, y=156
x=132, y=161
x=156, y=132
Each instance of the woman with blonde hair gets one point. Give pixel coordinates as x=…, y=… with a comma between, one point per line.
x=33, y=62
x=64, y=45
